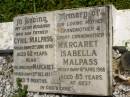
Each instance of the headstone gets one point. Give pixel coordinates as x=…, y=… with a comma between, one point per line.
x=34, y=50
x=65, y=51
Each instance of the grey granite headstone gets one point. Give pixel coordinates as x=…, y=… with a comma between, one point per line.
x=65, y=51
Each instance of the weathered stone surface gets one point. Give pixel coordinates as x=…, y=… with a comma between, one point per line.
x=122, y=28
x=81, y=50
x=65, y=51
x=34, y=51
x=6, y=35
